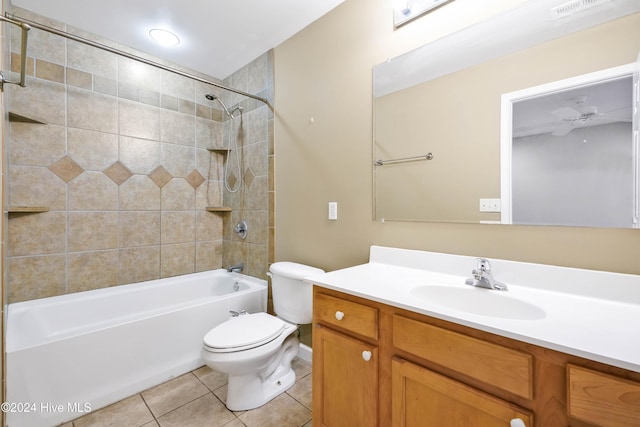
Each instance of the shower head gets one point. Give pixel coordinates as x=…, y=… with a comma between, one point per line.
x=212, y=97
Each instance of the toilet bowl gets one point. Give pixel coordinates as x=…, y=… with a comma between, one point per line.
x=256, y=350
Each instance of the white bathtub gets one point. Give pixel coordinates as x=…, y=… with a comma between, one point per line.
x=73, y=353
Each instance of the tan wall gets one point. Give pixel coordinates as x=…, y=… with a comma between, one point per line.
x=324, y=73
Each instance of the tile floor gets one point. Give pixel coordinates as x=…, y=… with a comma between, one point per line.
x=195, y=400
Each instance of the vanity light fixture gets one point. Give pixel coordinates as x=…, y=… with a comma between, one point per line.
x=164, y=37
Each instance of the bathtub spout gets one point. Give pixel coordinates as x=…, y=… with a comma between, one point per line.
x=235, y=268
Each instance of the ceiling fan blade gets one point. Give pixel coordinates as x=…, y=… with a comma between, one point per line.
x=566, y=113
x=563, y=129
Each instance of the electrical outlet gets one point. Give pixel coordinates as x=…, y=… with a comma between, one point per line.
x=489, y=205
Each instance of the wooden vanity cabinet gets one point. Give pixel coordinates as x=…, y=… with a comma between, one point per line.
x=428, y=372
x=345, y=363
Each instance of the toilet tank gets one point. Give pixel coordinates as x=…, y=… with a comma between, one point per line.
x=292, y=298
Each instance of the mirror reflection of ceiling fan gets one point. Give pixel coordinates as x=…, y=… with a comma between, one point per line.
x=582, y=115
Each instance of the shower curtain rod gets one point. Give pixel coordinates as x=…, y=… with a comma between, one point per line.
x=20, y=21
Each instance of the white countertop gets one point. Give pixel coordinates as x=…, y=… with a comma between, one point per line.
x=591, y=314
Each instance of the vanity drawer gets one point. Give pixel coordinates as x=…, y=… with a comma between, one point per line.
x=493, y=364
x=602, y=399
x=347, y=315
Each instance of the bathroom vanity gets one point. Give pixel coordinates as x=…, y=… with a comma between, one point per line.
x=402, y=341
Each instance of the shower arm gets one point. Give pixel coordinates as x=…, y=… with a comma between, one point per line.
x=25, y=22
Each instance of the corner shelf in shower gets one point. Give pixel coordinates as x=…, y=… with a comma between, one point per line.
x=17, y=118
x=27, y=209
x=220, y=209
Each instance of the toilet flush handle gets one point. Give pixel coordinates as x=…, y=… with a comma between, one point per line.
x=339, y=315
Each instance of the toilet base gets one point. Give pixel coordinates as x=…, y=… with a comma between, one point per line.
x=253, y=390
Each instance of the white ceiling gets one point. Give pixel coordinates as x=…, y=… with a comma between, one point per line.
x=217, y=37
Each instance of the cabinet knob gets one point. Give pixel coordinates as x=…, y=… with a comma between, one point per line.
x=339, y=315
x=517, y=422
x=366, y=355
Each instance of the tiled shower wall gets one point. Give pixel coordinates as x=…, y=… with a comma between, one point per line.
x=121, y=162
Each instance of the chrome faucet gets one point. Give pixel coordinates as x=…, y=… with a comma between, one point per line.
x=235, y=268
x=483, y=278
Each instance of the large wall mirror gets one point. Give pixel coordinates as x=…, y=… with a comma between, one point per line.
x=444, y=99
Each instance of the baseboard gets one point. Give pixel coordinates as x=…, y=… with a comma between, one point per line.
x=304, y=352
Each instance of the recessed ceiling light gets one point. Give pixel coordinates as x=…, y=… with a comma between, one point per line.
x=164, y=37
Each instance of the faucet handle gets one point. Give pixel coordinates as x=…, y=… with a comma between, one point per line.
x=483, y=264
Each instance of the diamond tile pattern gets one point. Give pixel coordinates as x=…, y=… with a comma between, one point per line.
x=248, y=177
x=195, y=179
x=232, y=180
x=118, y=172
x=66, y=169
x=160, y=176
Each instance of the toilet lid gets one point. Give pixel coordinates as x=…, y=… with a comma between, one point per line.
x=244, y=332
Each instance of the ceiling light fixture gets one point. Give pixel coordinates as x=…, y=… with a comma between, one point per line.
x=164, y=37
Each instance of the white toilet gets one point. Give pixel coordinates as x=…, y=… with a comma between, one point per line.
x=256, y=350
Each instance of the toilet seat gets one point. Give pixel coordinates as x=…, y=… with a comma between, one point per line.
x=243, y=332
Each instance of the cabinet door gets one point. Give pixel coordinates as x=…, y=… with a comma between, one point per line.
x=423, y=398
x=345, y=380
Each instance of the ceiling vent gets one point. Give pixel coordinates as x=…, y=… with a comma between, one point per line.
x=573, y=7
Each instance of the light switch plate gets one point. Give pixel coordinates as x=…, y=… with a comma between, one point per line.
x=333, y=211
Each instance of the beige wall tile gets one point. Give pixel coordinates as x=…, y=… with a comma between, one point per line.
x=40, y=100
x=139, y=193
x=139, y=120
x=42, y=44
x=79, y=79
x=105, y=85
x=113, y=233
x=139, y=264
x=36, y=186
x=209, y=194
x=33, y=234
x=92, y=270
x=177, y=128
x=36, y=145
x=139, y=229
x=92, y=110
x=257, y=196
x=91, y=60
x=178, y=259
x=139, y=74
x=93, y=191
x=208, y=133
x=208, y=255
x=92, y=150
x=50, y=71
x=36, y=277
x=178, y=160
x=178, y=86
x=90, y=231
x=178, y=195
x=256, y=158
x=208, y=226
x=178, y=227
x=139, y=155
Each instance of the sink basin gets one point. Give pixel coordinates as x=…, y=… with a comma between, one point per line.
x=484, y=302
